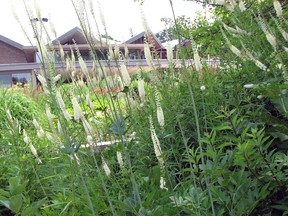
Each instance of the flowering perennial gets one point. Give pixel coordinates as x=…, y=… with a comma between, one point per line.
x=242, y=6
x=141, y=89
x=160, y=114
x=43, y=83
x=125, y=75
x=148, y=56
x=105, y=167
x=120, y=159
x=31, y=146
x=169, y=54
x=40, y=132
x=89, y=102
x=158, y=152
x=78, y=114
x=62, y=106
x=278, y=8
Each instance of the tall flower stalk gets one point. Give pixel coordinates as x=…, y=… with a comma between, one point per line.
x=158, y=153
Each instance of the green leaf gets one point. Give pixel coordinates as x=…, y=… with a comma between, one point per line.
x=66, y=207
x=16, y=203
x=223, y=127
x=281, y=207
x=15, y=187
x=4, y=193
x=119, y=127
x=144, y=212
x=32, y=210
x=6, y=203
x=281, y=104
x=281, y=136
x=225, y=144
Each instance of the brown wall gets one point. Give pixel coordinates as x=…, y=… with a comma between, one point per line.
x=10, y=54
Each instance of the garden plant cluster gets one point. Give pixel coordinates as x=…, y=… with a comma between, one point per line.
x=189, y=140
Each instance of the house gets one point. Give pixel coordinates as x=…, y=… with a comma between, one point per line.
x=12, y=53
x=18, y=63
x=141, y=39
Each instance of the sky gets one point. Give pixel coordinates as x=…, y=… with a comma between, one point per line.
x=120, y=16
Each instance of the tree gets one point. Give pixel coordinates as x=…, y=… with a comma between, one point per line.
x=166, y=35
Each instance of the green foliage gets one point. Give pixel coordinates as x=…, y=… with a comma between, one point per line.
x=20, y=106
x=221, y=151
x=166, y=35
x=15, y=200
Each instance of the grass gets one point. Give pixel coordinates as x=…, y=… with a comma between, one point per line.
x=194, y=141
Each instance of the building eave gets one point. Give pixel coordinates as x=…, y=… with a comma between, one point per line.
x=11, y=42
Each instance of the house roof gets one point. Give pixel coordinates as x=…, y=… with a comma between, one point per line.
x=142, y=34
x=67, y=38
x=11, y=42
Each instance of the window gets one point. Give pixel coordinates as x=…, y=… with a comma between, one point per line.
x=23, y=78
x=39, y=59
x=5, y=80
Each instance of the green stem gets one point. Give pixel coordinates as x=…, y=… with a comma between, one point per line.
x=85, y=186
x=200, y=145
